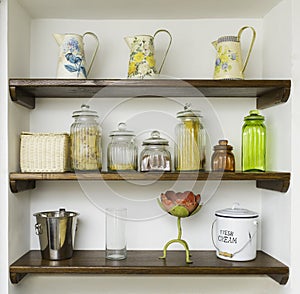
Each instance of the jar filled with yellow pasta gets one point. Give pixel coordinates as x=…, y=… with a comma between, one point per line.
x=190, y=141
x=85, y=137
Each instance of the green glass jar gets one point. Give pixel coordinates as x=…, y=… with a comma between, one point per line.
x=254, y=142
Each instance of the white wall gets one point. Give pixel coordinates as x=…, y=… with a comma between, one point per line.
x=277, y=65
x=4, y=262
x=18, y=120
x=295, y=145
x=191, y=56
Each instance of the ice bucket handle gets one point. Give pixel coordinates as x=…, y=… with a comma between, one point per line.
x=38, y=229
x=228, y=254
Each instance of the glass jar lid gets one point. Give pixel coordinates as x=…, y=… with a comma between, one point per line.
x=85, y=111
x=122, y=131
x=223, y=145
x=188, y=112
x=254, y=114
x=155, y=139
x=236, y=212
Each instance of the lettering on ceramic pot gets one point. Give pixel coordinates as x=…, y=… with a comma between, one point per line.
x=226, y=236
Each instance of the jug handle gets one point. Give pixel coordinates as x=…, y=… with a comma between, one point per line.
x=163, y=61
x=96, y=49
x=251, y=44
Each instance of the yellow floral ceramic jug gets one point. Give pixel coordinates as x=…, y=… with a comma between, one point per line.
x=71, y=61
x=229, y=63
x=142, y=61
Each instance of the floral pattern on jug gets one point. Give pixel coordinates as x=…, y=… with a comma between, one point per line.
x=229, y=63
x=71, y=60
x=142, y=62
x=225, y=57
x=73, y=57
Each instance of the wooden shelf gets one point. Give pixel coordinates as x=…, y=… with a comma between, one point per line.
x=276, y=181
x=148, y=262
x=267, y=92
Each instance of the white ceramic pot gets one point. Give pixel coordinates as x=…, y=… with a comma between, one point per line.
x=234, y=233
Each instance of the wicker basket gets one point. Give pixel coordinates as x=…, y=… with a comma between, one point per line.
x=44, y=152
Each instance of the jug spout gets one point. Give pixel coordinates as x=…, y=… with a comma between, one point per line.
x=59, y=38
x=129, y=41
x=215, y=43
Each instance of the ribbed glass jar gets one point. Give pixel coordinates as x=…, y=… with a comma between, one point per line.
x=122, y=150
x=190, y=141
x=155, y=156
x=254, y=143
x=85, y=137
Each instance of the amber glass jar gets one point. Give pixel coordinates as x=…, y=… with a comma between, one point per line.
x=223, y=158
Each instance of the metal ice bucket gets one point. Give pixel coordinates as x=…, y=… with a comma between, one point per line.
x=56, y=231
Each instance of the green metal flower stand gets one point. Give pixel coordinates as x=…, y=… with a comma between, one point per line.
x=180, y=241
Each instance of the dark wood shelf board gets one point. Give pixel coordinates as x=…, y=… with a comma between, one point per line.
x=147, y=262
x=268, y=92
x=276, y=181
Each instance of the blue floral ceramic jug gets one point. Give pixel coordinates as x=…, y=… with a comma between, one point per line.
x=71, y=60
x=142, y=62
x=229, y=63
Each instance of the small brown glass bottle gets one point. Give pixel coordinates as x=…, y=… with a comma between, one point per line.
x=223, y=158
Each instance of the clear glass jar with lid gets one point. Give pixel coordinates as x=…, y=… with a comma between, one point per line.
x=85, y=137
x=155, y=156
x=190, y=141
x=122, y=150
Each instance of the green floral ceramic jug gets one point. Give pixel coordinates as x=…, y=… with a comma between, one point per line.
x=229, y=63
x=142, y=61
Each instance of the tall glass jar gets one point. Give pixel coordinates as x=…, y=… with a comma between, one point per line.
x=122, y=150
x=85, y=135
x=190, y=141
x=254, y=142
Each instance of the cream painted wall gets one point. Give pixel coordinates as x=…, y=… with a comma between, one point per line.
x=191, y=56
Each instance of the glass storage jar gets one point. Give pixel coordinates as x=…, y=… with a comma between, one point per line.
x=223, y=158
x=254, y=142
x=155, y=156
x=122, y=150
x=85, y=137
x=190, y=141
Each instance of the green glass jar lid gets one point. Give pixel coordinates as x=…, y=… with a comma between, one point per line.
x=254, y=114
